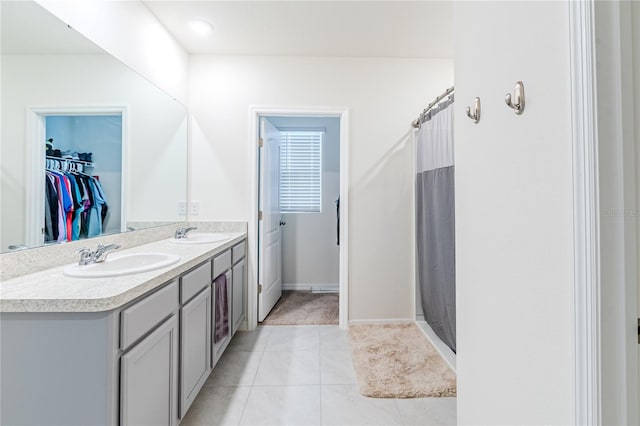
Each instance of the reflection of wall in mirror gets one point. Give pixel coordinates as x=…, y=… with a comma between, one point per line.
x=156, y=129
x=140, y=40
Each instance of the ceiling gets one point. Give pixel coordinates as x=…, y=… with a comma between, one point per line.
x=413, y=29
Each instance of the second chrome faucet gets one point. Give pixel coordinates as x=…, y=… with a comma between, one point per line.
x=182, y=232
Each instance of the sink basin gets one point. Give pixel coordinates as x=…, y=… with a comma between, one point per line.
x=200, y=238
x=126, y=264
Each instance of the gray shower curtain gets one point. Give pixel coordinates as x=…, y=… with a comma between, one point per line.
x=435, y=222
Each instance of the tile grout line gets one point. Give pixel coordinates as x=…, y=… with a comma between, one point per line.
x=395, y=403
x=244, y=407
x=320, y=390
x=320, y=373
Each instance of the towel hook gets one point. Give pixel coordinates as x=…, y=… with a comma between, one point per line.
x=518, y=106
x=476, y=111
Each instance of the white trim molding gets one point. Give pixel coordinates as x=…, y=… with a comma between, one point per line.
x=35, y=158
x=445, y=351
x=382, y=321
x=585, y=213
x=320, y=288
x=255, y=112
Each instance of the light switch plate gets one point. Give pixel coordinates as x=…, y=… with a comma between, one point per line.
x=182, y=208
x=194, y=208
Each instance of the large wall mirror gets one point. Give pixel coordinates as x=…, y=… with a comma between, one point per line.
x=88, y=147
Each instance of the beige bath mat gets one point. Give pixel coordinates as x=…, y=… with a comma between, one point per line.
x=397, y=361
x=304, y=308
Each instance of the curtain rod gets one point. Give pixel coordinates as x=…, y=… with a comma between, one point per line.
x=416, y=123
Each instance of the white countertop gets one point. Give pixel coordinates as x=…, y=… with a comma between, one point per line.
x=52, y=291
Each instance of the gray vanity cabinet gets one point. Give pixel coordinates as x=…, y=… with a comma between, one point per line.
x=195, y=347
x=149, y=378
x=142, y=363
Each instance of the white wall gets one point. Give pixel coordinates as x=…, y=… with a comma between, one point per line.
x=157, y=155
x=131, y=33
x=383, y=97
x=310, y=255
x=514, y=216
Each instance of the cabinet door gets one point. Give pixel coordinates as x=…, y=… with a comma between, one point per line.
x=238, y=295
x=195, y=347
x=221, y=345
x=149, y=379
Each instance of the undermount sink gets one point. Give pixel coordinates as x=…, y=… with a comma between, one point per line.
x=125, y=264
x=200, y=238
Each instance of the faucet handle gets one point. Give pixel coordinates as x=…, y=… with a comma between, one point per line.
x=85, y=255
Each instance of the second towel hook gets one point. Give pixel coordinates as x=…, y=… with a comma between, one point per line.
x=476, y=111
x=518, y=106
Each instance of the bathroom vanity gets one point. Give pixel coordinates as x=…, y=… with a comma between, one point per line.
x=126, y=350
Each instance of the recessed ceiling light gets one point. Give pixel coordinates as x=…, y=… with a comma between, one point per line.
x=200, y=27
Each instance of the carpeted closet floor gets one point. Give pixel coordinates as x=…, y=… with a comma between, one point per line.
x=304, y=308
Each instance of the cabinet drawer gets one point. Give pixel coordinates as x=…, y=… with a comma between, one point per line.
x=238, y=252
x=221, y=263
x=140, y=318
x=195, y=281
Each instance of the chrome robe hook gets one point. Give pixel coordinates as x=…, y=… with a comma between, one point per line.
x=475, y=116
x=518, y=105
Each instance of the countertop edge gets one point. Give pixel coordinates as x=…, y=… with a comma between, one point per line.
x=106, y=304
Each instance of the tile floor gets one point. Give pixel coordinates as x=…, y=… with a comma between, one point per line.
x=300, y=375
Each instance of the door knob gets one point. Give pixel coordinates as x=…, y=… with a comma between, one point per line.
x=282, y=223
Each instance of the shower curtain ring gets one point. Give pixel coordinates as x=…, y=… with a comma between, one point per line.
x=475, y=116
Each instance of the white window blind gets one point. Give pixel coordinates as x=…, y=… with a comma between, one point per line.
x=300, y=171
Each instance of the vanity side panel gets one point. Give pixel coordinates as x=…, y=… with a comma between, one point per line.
x=58, y=368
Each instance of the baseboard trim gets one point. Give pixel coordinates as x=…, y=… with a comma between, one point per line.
x=445, y=351
x=379, y=321
x=324, y=288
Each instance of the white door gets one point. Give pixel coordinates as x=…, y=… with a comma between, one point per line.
x=269, y=238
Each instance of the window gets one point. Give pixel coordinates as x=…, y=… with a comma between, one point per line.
x=300, y=171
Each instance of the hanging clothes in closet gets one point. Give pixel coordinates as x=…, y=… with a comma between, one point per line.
x=75, y=205
x=435, y=220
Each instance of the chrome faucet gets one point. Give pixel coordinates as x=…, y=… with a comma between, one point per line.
x=182, y=232
x=100, y=255
x=88, y=257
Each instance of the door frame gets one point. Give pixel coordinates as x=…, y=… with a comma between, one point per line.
x=255, y=113
x=585, y=214
x=34, y=157
x=591, y=266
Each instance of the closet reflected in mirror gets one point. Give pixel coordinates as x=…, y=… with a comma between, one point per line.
x=83, y=182
x=88, y=147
